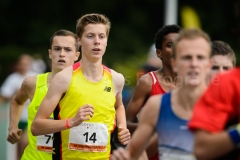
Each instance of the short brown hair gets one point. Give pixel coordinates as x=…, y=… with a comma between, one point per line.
x=222, y=48
x=93, y=18
x=64, y=33
x=190, y=34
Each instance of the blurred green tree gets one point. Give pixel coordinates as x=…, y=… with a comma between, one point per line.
x=26, y=27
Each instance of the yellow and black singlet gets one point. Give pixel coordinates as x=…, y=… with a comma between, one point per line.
x=91, y=139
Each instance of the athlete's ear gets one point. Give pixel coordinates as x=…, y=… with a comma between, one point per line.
x=159, y=53
x=50, y=53
x=77, y=55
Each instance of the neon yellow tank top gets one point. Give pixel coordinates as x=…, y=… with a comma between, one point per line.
x=32, y=152
x=91, y=139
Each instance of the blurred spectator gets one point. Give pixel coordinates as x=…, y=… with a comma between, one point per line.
x=38, y=65
x=9, y=87
x=153, y=63
x=153, y=59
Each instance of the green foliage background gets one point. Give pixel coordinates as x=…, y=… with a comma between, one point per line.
x=26, y=27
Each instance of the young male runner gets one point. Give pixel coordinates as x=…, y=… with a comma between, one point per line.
x=85, y=98
x=223, y=58
x=168, y=114
x=63, y=52
x=155, y=82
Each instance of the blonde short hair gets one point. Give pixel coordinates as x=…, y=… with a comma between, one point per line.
x=93, y=18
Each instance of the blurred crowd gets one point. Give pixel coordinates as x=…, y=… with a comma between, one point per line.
x=26, y=65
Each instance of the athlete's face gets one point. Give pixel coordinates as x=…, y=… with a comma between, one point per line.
x=93, y=42
x=63, y=52
x=220, y=64
x=192, y=61
x=166, y=52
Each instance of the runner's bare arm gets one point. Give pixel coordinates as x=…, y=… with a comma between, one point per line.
x=124, y=134
x=146, y=127
x=16, y=108
x=211, y=145
x=140, y=94
x=152, y=147
x=144, y=131
x=118, y=81
x=42, y=124
x=58, y=87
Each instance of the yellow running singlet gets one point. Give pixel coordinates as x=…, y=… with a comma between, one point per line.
x=39, y=147
x=91, y=139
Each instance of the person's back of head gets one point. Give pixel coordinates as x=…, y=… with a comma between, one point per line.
x=93, y=18
x=223, y=49
x=64, y=33
x=190, y=34
x=165, y=30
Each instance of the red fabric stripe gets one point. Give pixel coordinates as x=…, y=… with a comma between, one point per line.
x=76, y=65
x=108, y=69
x=156, y=88
x=59, y=108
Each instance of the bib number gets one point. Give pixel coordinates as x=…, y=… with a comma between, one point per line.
x=45, y=142
x=89, y=137
x=92, y=137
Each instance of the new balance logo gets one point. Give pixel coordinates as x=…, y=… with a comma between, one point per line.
x=107, y=89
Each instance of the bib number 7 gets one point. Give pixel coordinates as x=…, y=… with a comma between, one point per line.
x=45, y=142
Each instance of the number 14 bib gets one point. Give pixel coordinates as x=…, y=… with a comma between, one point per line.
x=89, y=137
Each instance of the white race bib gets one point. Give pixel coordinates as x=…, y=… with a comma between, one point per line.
x=45, y=142
x=89, y=137
x=177, y=157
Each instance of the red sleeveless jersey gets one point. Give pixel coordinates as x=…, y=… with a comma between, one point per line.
x=156, y=89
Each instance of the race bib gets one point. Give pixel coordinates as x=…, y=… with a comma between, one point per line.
x=89, y=137
x=45, y=142
x=164, y=156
